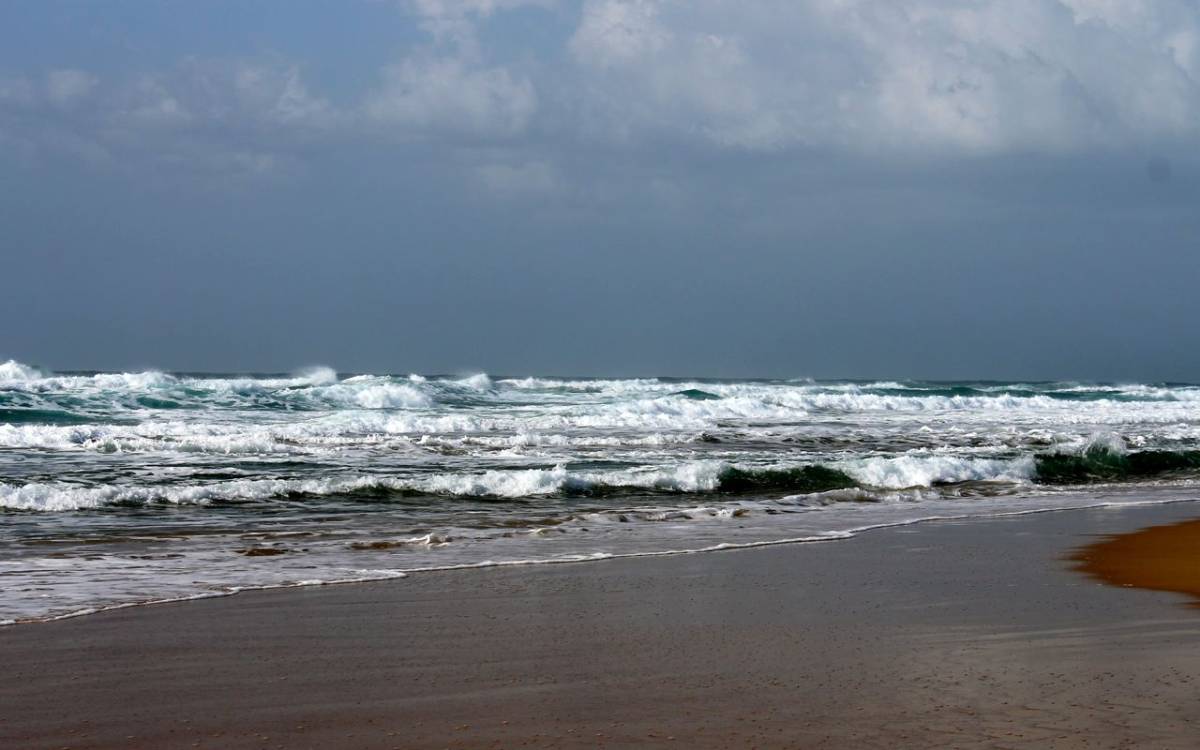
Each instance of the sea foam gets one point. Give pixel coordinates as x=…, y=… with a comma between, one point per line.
x=125, y=487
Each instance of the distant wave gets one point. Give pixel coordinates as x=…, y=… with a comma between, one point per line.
x=160, y=411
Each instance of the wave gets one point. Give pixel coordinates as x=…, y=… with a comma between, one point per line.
x=13, y=371
x=36, y=416
x=370, y=392
x=924, y=470
x=478, y=382
x=530, y=435
x=160, y=437
x=803, y=479
x=312, y=388
x=1103, y=464
x=322, y=387
x=697, y=395
x=870, y=476
x=697, y=477
x=466, y=468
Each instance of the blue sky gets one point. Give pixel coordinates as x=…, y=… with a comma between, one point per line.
x=919, y=188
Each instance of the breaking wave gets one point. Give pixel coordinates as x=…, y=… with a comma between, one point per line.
x=119, y=487
x=698, y=477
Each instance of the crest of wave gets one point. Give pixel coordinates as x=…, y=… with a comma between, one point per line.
x=903, y=472
x=12, y=370
x=20, y=375
x=375, y=392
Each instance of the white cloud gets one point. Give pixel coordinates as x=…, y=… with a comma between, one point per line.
x=860, y=76
x=453, y=25
x=893, y=74
x=444, y=94
x=613, y=34
x=449, y=87
x=278, y=96
x=151, y=102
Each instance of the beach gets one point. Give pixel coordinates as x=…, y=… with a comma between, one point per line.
x=1163, y=558
x=470, y=374
x=973, y=633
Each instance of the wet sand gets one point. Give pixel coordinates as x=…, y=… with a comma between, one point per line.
x=1162, y=558
x=951, y=634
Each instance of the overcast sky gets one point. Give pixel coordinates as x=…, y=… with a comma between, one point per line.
x=825, y=188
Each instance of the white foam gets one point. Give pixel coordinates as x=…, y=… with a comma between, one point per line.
x=632, y=404
x=319, y=375
x=920, y=449
x=693, y=476
x=47, y=496
x=12, y=372
x=376, y=393
x=478, y=382
x=852, y=531
x=902, y=472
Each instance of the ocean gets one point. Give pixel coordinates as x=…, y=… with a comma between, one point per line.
x=119, y=489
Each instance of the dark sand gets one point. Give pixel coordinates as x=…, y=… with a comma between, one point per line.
x=1162, y=558
x=957, y=635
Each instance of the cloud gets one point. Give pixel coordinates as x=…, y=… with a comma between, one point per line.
x=234, y=94
x=455, y=22
x=864, y=77
x=618, y=34
x=445, y=95
x=872, y=75
x=448, y=87
x=152, y=103
x=243, y=118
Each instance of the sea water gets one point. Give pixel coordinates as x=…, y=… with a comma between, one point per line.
x=124, y=488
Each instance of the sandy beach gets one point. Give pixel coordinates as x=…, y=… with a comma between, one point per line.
x=526, y=374
x=943, y=634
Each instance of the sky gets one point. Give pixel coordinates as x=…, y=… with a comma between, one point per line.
x=952, y=189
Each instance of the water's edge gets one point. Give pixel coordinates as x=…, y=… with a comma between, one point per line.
x=730, y=547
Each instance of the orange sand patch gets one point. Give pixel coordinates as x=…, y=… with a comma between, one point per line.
x=1163, y=558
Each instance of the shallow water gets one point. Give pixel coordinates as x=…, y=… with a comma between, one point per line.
x=118, y=488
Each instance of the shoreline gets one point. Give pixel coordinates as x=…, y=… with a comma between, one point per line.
x=962, y=633
x=400, y=574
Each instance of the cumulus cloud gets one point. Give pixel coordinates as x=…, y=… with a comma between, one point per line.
x=449, y=87
x=614, y=34
x=894, y=74
x=855, y=76
x=645, y=69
